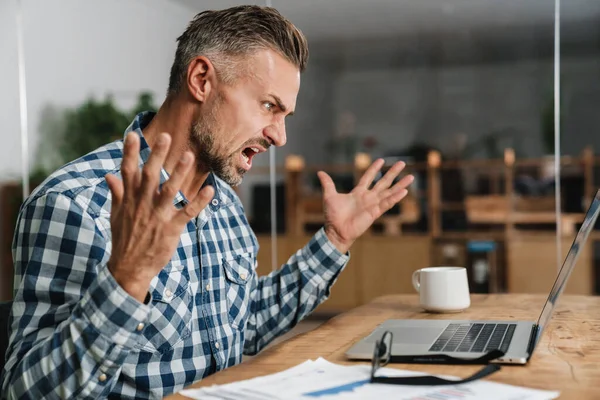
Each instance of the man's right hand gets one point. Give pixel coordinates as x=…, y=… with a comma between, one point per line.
x=145, y=224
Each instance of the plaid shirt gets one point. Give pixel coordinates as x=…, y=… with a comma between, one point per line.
x=75, y=333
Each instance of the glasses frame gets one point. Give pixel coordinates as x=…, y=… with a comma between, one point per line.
x=382, y=355
x=382, y=352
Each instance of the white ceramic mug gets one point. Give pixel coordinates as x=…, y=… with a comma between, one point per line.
x=442, y=289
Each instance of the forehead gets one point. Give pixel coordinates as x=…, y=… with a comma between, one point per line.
x=271, y=73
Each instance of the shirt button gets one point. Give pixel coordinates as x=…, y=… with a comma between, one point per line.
x=217, y=345
x=168, y=293
x=102, y=378
x=140, y=326
x=215, y=202
x=243, y=276
x=208, y=287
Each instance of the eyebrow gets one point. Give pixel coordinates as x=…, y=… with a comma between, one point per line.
x=280, y=104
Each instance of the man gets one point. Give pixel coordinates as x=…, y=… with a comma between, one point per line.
x=136, y=264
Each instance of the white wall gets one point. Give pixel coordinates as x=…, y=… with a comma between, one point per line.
x=10, y=160
x=74, y=49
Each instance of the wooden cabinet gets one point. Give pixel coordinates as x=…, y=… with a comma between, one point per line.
x=387, y=264
x=532, y=265
x=382, y=265
x=378, y=265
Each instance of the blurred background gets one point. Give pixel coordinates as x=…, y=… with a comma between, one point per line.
x=462, y=90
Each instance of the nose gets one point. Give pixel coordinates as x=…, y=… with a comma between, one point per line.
x=276, y=134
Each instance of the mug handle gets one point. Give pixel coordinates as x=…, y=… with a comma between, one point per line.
x=416, y=280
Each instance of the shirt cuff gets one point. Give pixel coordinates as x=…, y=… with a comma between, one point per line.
x=113, y=312
x=321, y=253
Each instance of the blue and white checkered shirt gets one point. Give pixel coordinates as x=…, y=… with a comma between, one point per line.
x=75, y=333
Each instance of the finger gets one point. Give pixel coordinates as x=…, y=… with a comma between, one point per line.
x=130, y=171
x=115, y=185
x=326, y=183
x=391, y=200
x=401, y=184
x=367, y=178
x=194, y=208
x=389, y=177
x=170, y=188
x=151, y=171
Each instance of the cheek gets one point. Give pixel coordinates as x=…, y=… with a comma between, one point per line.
x=249, y=126
x=242, y=122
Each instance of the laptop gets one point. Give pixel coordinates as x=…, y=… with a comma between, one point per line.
x=469, y=339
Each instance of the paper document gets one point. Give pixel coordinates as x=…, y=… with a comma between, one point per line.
x=323, y=380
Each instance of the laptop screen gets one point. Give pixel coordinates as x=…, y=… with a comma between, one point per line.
x=563, y=275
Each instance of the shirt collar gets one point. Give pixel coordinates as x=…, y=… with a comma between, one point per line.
x=142, y=120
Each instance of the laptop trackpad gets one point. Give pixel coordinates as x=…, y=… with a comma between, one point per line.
x=415, y=335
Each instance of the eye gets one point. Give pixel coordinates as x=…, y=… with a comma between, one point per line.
x=269, y=106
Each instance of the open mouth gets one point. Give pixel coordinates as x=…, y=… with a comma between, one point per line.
x=247, y=154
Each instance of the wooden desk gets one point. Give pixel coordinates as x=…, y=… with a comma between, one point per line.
x=567, y=359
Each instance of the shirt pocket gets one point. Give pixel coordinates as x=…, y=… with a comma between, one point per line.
x=171, y=310
x=239, y=270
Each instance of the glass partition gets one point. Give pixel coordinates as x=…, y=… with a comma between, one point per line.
x=578, y=120
x=463, y=93
x=460, y=92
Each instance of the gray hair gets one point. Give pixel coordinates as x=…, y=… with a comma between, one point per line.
x=224, y=36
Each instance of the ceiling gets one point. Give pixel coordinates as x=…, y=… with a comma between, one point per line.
x=325, y=20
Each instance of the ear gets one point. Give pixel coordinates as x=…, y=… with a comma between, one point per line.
x=201, y=78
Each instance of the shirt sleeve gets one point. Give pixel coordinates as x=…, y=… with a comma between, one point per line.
x=71, y=324
x=284, y=297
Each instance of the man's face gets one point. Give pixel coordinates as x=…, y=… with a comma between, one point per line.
x=246, y=118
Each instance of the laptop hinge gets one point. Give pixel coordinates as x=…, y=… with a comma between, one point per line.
x=532, y=338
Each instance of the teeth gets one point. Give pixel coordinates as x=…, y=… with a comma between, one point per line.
x=254, y=149
x=246, y=158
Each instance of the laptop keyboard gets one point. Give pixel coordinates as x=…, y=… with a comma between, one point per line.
x=474, y=338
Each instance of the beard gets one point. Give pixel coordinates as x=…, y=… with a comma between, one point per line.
x=208, y=155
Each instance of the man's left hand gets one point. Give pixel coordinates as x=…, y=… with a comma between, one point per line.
x=349, y=215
